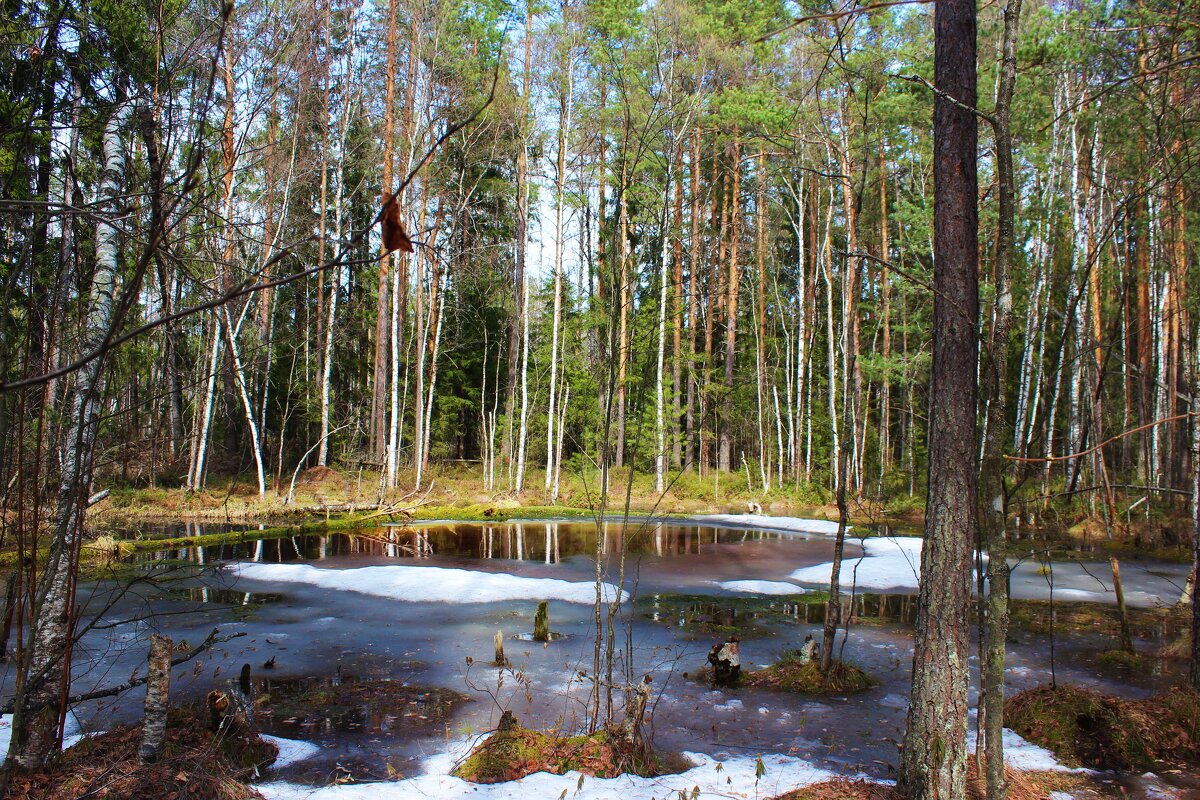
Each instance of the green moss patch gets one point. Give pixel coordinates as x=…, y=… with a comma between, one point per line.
x=792, y=674
x=514, y=751
x=1086, y=728
x=1122, y=661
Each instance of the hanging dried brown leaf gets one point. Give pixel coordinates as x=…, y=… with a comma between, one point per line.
x=394, y=235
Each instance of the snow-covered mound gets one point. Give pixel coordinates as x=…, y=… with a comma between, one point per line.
x=428, y=584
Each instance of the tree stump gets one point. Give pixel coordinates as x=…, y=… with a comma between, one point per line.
x=158, y=695
x=541, y=622
x=726, y=662
x=635, y=712
x=501, y=660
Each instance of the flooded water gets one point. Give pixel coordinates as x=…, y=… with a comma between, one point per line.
x=324, y=656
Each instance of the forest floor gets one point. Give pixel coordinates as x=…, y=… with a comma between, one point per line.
x=457, y=492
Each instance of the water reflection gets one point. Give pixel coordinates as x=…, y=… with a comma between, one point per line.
x=546, y=542
x=709, y=613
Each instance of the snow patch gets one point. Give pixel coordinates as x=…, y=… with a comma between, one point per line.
x=820, y=527
x=709, y=778
x=428, y=584
x=1021, y=754
x=888, y=562
x=71, y=733
x=291, y=751
x=1077, y=594
x=761, y=587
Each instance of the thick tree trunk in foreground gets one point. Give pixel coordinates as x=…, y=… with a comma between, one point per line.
x=934, y=763
x=36, y=721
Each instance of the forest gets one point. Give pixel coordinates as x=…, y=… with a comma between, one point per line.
x=912, y=265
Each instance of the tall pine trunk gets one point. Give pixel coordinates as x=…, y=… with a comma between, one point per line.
x=934, y=762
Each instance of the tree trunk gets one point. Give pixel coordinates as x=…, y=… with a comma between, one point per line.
x=158, y=697
x=1194, y=672
x=36, y=724
x=934, y=758
x=994, y=517
x=379, y=431
x=564, y=123
x=731, y=305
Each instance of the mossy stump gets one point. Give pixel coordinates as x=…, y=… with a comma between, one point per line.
x=514, y=751
x=792, y=673
x=541, y=622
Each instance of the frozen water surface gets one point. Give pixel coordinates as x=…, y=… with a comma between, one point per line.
x=422, y=605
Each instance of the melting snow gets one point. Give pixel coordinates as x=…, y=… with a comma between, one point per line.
x=291, y=751
x=428, y=584
x=709, y=778
x=888, y=562
x=761, y=587
x=821, y=527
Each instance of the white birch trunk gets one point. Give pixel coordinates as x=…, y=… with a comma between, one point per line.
x=36, y=731
x=560, y=180
x=239, y=375
x=335, y=274
x=196, y=475
x=660, y=452
x=523, y=428
x=562, y=430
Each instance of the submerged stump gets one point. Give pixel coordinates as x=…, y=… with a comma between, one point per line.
x=725, y=659
x=501, y=660
x=541, y=622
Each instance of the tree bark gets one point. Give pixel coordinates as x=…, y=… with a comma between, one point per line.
x=158, y=696
x=994, y=517
x=724, y=457
x=379, y=383
x=47, y=662
x=934, y=758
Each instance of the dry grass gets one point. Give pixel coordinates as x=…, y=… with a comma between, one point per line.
x=1021, y=786
x=195, y=765
x=1086, y=728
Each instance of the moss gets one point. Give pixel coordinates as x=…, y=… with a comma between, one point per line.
x=791, y=674
x=541, y=623
x=1122, y=660
x=514, y=751
x=1086, y=728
